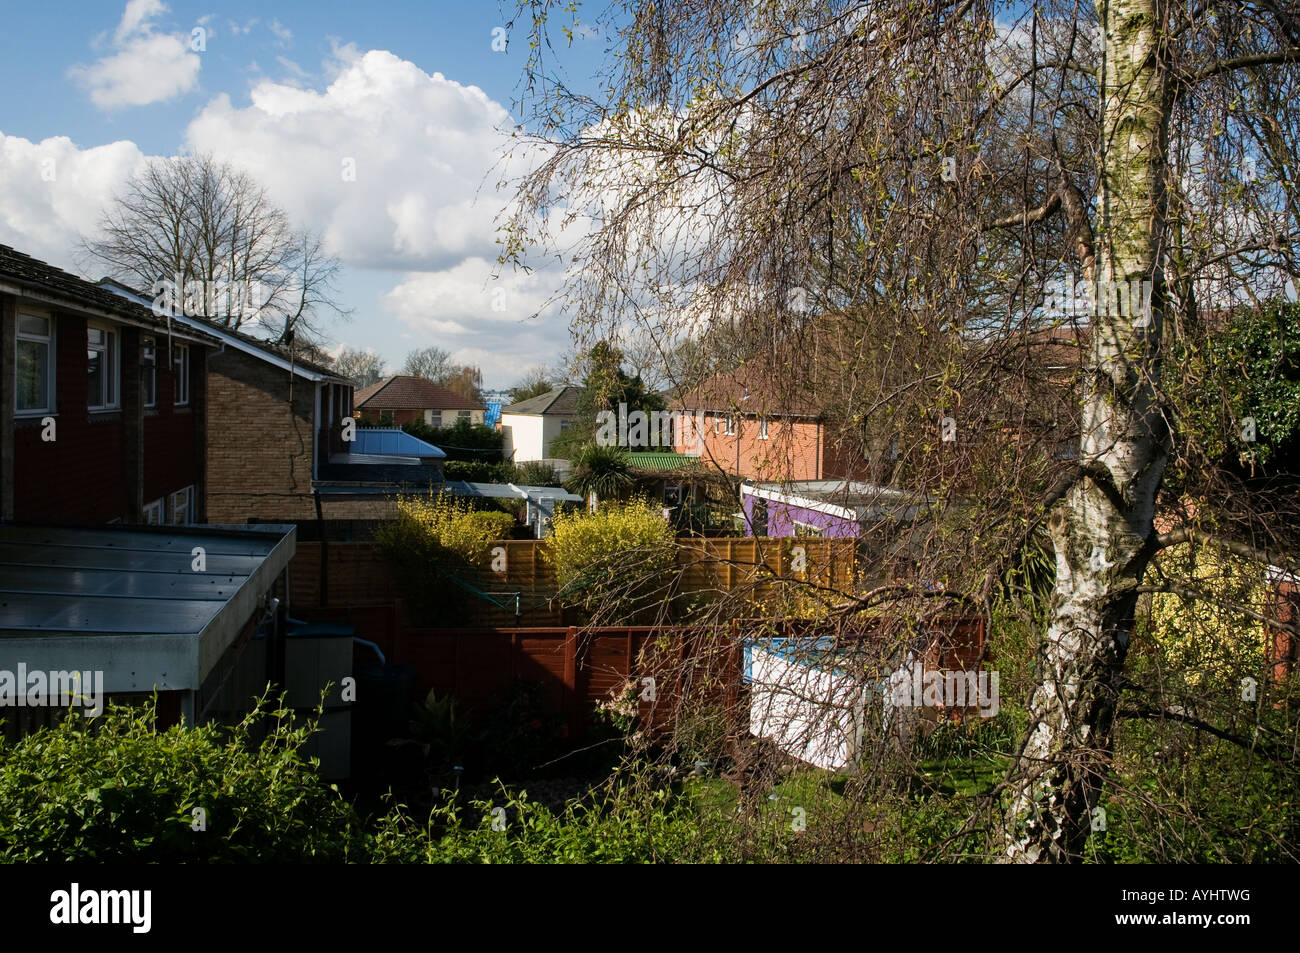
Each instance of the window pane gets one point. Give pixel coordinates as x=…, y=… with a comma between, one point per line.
x=95, y=336
x=33, y=372
x=31, y=324
x=95, y=364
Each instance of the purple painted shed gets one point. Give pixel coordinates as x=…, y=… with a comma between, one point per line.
x=832, y=508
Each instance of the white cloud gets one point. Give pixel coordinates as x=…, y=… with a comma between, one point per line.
x=147, y=66
x=52, y=193
x=422, y=147
x=282, y=32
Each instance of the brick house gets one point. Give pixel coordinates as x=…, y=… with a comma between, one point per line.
x=97, y=424
x=414, y=398
x=753, y=430
x=103, y=420
x=273, y=420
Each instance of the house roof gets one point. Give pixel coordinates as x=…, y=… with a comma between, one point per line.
x=129, y=603
x=558, y=401
x=43, y=283
x=757, y=387
x=399, y=392
x=271, y=353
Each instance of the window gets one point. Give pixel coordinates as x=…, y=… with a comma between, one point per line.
x=181, y=504
x=433, y=418
x=34, y=365
x=729, y=427
x=762, y=429
x=101, y=364
x=153, y=512
x=464, y=415
x=565, y=425
x=181, y=371
x=806, y=529
x=149, y=371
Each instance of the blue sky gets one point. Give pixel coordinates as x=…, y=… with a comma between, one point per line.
x=412, y=93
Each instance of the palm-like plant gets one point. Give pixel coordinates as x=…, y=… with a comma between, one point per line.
x=600, y=471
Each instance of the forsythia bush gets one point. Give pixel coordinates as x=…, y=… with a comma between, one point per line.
x=435, y=537
x=444, y=523
x=622, y=551
x=1206, y=644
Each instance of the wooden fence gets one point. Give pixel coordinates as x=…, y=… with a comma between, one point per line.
x=358, y=574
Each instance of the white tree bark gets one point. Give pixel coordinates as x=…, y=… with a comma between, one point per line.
x=1101, y=529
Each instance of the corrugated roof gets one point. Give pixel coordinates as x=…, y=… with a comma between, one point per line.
x=557, y=401
x=662, y=460
x=400, y=392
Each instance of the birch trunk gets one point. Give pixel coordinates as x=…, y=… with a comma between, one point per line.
x=1100, y=529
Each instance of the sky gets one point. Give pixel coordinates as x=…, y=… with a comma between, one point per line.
x=413, y=98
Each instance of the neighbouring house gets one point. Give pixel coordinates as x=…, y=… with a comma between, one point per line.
x=273, y=421
x=405, y=399
x=104, y=408
x=103, y=404
x=745, y=424
x=530, y=426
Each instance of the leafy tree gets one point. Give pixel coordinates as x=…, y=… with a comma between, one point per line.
x=605, y=386
x=931, y=173
x=600, y=472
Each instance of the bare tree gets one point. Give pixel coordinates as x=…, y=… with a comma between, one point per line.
x=363, y=367
x=202, y=236
x=431, y=363
x=535, y=382
x=933, y=179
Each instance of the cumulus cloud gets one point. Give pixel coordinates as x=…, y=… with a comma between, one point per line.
x=146, y=65
x=394, y=165
x=52, y=193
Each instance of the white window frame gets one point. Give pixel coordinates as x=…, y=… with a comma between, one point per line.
x=153, y=512
x=111, y=366
x=181, y=374
x=149, y=369
x=465, y=415
x=433, y=418
x=181, y=506
x=729, y=425
x=51, y=361
x=807, y=529
x=762, y=428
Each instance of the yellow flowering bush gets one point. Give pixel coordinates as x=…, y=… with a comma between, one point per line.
x=621, y=552
x=435, y=537
x=1208, y=644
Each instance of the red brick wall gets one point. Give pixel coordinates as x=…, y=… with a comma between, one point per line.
x=793, y=449
x=259, y=441
x=170, y=462
x=80, y=477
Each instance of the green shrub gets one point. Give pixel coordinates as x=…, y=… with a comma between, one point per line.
x=114, y=788
x=625, y=825
x=478, y=471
